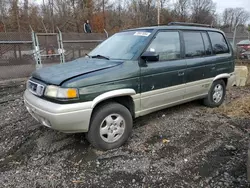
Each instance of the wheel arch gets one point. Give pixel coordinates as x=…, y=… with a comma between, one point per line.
x=121, y=96
x=224, y=77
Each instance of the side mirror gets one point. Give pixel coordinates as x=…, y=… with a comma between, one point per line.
x=150, y=56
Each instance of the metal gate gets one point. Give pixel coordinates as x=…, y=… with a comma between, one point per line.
x=22, y=53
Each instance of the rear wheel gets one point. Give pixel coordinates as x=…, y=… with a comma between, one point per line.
x=110, y=126
x=216, y=94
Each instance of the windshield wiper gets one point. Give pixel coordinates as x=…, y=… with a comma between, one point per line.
x=100, y=56
x=88, y=55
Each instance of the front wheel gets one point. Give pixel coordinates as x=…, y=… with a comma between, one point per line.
x=216, y=94
x=111, y=125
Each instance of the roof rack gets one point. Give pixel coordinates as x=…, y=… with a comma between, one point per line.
x=189, y=24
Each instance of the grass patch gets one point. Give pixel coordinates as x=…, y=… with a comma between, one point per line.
x=242, y=61
x=236, y=108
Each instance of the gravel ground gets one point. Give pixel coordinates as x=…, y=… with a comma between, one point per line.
x=185, y=146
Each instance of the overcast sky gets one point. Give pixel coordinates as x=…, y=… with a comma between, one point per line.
x=221, y=4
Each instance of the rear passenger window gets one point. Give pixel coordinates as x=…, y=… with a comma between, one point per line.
x=194, y=46
x=208, y=49
x=219, y=43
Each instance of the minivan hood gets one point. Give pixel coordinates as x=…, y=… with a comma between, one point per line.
x=57, y=74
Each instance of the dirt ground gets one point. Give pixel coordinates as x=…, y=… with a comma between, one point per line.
x=185, y=146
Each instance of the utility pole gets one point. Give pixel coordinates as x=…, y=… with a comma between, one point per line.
x=51, y=6
x=235, y=30
x=26, y=8
x=103, y=14
x=119, y=10
x=248, y=34
x=159, y=12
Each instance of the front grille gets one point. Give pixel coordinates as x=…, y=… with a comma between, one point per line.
x=35, y=88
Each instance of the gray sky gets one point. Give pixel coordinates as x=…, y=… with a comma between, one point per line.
x=222, y=4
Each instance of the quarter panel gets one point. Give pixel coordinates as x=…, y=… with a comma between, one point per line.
x=224, y=64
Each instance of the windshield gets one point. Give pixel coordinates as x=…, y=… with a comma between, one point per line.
x=122, y=45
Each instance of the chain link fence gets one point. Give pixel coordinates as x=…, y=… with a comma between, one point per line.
x=17, y=58
x=17, y=53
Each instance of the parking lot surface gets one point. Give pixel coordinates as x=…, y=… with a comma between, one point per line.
x=184, y=146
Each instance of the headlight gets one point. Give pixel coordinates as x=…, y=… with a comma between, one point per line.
x=62, y=93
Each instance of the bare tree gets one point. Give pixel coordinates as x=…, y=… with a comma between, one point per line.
x=69, y=15
x=202, y=11
x=235, y=16
x=3, y=12
x=26, y=8
x=180, y=10
x=14, y=21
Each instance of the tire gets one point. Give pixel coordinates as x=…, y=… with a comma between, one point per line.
x=214, y=100
x=107, y=131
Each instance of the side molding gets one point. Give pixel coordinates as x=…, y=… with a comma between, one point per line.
x=111, y=94
x=220, y=76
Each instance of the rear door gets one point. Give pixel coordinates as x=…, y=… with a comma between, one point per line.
x=162, y=82
x=200, y=66
x=223, y=57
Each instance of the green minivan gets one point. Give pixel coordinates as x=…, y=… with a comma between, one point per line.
x=131, y=74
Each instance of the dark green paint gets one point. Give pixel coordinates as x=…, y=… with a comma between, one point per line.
x=58, y=74
x=124, y=76
x=158, y=75
x=91, y=92
x=94, y=77
x=199, y=68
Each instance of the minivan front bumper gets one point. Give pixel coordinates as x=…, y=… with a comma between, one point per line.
x=68, y=118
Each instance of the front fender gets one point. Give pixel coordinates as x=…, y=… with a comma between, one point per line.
x=112, y=94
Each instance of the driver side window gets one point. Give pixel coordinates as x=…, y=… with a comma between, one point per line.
x=167, y=45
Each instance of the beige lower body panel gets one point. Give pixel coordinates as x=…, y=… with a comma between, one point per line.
x=199, y=88
x=159, y=99
x=152, y=101
x=163, y=98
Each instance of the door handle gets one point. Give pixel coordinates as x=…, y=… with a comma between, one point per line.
x=213, y=68
x=180, y=73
